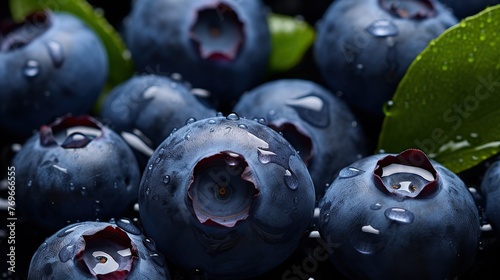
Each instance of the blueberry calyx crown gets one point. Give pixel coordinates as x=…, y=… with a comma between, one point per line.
x=15, y=35
x=217, y=33
x=409, y=9
x=106, y=254
x=222, y=189
x=408, y=174
x=71, y=132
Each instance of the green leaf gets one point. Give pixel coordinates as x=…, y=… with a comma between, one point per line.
x=291, y=38
x=448, y=103
x=120, y=63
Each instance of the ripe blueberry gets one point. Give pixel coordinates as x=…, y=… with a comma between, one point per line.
x=223, y=192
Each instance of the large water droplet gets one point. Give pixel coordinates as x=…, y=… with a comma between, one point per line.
x=264, y=156
x=367, y=240
x=128, y=226
x=31, y=68
x=149, y=244
x=291, y=181
x=388, y=107
x=56, y=53
x=326, y=218
x=376, y=206
x=232, y=117
x=190, y=120
x=399, y=215
x=66, y=253
x=382, y=28
x=158, y=259
x=166, y=179
x=67, y=231
x=350, y=172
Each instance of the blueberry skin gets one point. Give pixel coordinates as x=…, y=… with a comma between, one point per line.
x=227, y=196
x=398, y=230
x=88, y=250
x=159, y=36
x=463, y=8
x=491, y=193
x=364, y=50
x=52, y=65
x=74, y=169
x=155, y=105
x=317, y=123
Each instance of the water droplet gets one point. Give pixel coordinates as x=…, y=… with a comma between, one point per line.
x=161, y=151
x=64, y=233
x=296, y=200
x=264, y=156
x=30, y=183
x=367, y=240
x=262, y=121
x=388, y=107
x=474, y=135
x=128, y=226
x=354, y=123
x=399, y=215
x=187, y=137
x=463, y=24
x=291, y=181
x=350, y=172
x=232, y=117
x=66, y=253
x=382, y=28
x=149, y=244
x=148, y=191
x=243, y=126
x=166, y=179
x=211, y=121
x=158, y=259
x=376, y=206
x=475, y=158
x=56, y=53
x=31, y=68
x=97, y=206
x=190, y=121
x=326, y=218
x=83, y=191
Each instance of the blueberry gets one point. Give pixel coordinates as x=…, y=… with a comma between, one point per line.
x=51, y=64
x=220, y=46
x=74, y=169
x=464, y=8
x=363, y=48
x=98, y=250
x=319, y=125
x=152, y=106
x=400, y=217
x=491, y=193
x=227, y=196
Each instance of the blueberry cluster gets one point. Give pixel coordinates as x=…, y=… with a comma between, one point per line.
x=206, y=165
